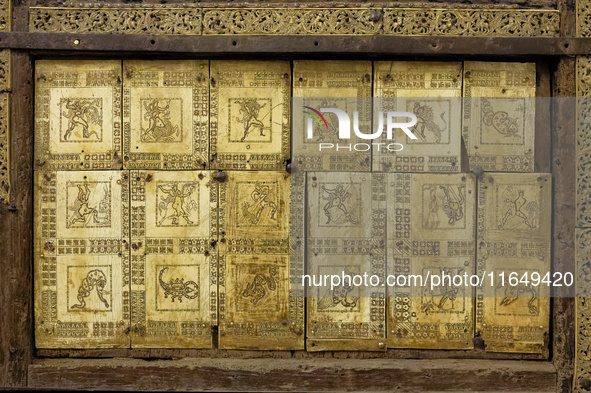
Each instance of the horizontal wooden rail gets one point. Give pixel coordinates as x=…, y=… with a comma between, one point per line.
x=290, y=45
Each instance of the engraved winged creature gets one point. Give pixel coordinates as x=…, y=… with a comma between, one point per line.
x=94, y=279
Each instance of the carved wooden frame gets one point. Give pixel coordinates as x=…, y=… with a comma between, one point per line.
x=22, y=366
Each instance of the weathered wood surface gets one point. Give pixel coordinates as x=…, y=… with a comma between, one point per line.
x=16, y=232
x=289, y=375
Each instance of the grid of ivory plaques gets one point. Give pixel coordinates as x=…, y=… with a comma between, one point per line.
x=164, y=214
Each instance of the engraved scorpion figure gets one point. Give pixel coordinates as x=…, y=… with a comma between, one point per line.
x=94, y=279
x=424, y=115
x=177, y=288
x=81, y=113
x=260, y=286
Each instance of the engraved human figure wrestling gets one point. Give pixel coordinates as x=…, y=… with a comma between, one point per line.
x=94, y=279
x=82, y=113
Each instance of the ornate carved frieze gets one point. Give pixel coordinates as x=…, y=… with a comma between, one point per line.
x=583, y=310
x=471, y=22
x=4, y=148
x=116, y=19
x=281, y=20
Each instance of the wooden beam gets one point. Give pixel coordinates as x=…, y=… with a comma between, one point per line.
x=299, y=375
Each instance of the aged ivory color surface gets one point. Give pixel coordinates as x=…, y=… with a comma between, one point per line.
x=82, y=259
x=431, y=222
x=431, y=91
x=499, y=115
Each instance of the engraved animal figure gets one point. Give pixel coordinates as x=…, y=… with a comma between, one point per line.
x=177, y=288
x=446, y=292
x=250, y=110
x=160, y=128
x=512, y=293
x=83, y=212
x=260, y=286
x=499, y=120
x=517, y=207
x=178, y=204
x=94, y=279
x=337, y=198
x=453, y=204
x=339, y=295
x=261, y=199
x=82, y=112
x=424, y=114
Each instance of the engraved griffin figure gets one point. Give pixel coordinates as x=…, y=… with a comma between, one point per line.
x=260, y=286
x=177, y=204
x=94, y=279
x=512, y=293
x=424, y=114
x=339, y=295
x=250, y=110
x=84, y=213
x=517, y=211
x=160, y=128
x=82, y=113
x=177, y=288
x=499, y=120
x=252, y=211
x=336, y=209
